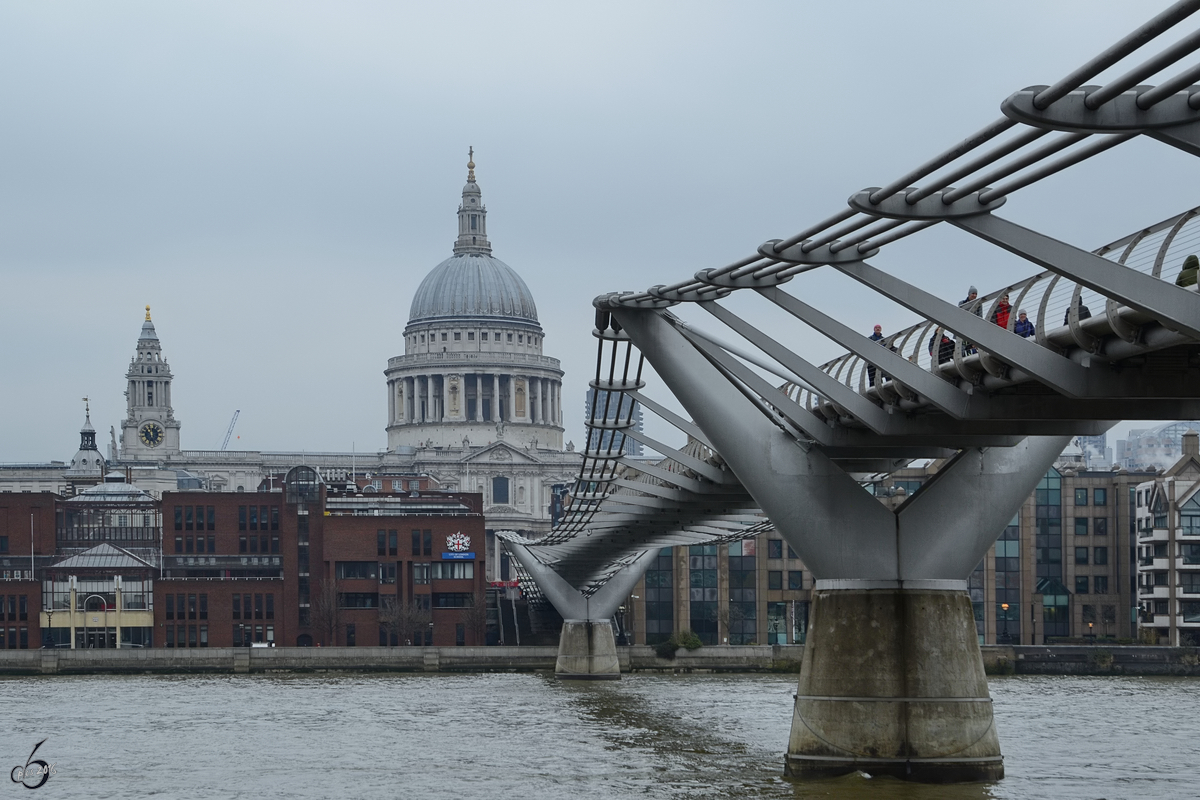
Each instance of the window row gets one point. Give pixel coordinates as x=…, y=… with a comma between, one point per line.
x=17, y=608
x=246, y=635
x=195, y=544
x=18, y=638
x=186, y=606
x=1099, y=497
x=258, y=518
x=195, y=518
x=1099, y=526
x=1099, y=584
x=187, y=636
x=483, y=337
x=775, y=549
x=263, y=608
x=795, y=580
x=1099, y=555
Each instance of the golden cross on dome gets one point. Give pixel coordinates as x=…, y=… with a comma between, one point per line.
x=147, y=313
x=470, y=163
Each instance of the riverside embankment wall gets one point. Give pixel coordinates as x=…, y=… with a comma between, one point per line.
x=999, y=660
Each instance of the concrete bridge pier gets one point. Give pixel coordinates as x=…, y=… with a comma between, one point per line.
x=587, y=646
x=893, y=683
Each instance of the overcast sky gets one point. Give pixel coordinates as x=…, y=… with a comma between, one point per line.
x=275, y=179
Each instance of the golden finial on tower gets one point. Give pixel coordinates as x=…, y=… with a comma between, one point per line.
x=470, y=163
x=87, y=409
x=147, y=313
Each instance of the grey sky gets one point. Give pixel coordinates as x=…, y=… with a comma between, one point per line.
x=275, y=179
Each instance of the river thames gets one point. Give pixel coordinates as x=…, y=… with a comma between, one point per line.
x=530, y=736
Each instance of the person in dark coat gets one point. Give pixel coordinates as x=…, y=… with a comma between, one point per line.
x=877, y=337
x=1187, y=276
x=944, y=344
x=1023, y=327
x=1084, y=313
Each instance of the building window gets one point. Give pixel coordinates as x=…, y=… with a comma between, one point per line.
x=1100, y=526
x=358, y=600
x=743, y=594
x=1189, y=518
x=1190, y=610
x=178, y=518
x=795, y=579
x=387, y=573
x=457, y=336
x=443, y=337
x=453, y=570
x=350, y=633
x=357, y=570
x=1081, y=497
x=775, y=548
x=381, y=543
x=791, y=553
x=1190, y=553
x=660, y=601
x=1081, y=526
x=483, y=336
x=1101, y=555
x=1081, y=555
x=702, y=591
x=1100, y=497
x=237, y=607
x=1100, y=584
x=203, y=606
x=393, y=543
x=1189, y=582
x=509, y=338
x=420, y=573
x=774, y=580
x=427, y=542
x=1081, y=584
x=416, y=543
x=499, y=491
x=453, y=599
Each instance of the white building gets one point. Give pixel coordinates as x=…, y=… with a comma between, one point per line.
x=1168, y=549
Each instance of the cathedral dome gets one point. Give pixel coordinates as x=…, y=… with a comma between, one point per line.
x=472, y=285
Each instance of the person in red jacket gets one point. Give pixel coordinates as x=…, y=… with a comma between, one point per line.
x=1003, y=311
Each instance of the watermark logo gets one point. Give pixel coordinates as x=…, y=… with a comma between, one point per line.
x=35, y=769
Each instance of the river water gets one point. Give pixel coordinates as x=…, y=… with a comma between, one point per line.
x=530, y=736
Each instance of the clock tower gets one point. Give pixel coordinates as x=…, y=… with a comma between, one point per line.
x=149, y=430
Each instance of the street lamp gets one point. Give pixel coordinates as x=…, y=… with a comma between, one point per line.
x=1005, y=637
x=1091, y=633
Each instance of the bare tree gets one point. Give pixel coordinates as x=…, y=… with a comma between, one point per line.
x=324, y=612
x=403, y=618
x=474, y=619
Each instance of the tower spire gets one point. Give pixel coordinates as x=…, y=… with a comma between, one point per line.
x=472, y=216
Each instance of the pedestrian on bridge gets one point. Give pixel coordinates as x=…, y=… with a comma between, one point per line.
x=876, y=336
x=972, y=294
x=1023, y=327
x=1187, y=276
x=1003, y=312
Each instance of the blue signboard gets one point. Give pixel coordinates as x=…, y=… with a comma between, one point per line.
x=458, y=556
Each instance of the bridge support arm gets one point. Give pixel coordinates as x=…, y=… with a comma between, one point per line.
x=587, y=647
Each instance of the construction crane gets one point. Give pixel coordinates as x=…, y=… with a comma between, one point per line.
x=229, y=432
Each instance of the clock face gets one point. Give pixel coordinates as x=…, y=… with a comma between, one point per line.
x=458, y=542
x=151, y=434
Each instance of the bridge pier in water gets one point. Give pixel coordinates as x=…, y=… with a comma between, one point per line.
x=587, y=646
x=893, y=683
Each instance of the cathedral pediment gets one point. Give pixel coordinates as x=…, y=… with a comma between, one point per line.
x=500, y=453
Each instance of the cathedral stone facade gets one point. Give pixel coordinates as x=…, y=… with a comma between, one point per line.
x=473, y=405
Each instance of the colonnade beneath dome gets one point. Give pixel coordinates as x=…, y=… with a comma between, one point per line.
x=475, y=397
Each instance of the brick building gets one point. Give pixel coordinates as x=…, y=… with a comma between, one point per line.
x=304, y=564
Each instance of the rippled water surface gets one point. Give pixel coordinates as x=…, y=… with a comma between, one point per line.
x=529, y=736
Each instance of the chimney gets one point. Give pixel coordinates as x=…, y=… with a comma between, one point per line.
x=1191, y=443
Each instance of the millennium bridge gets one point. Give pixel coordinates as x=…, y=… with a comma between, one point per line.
x=892, y=680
